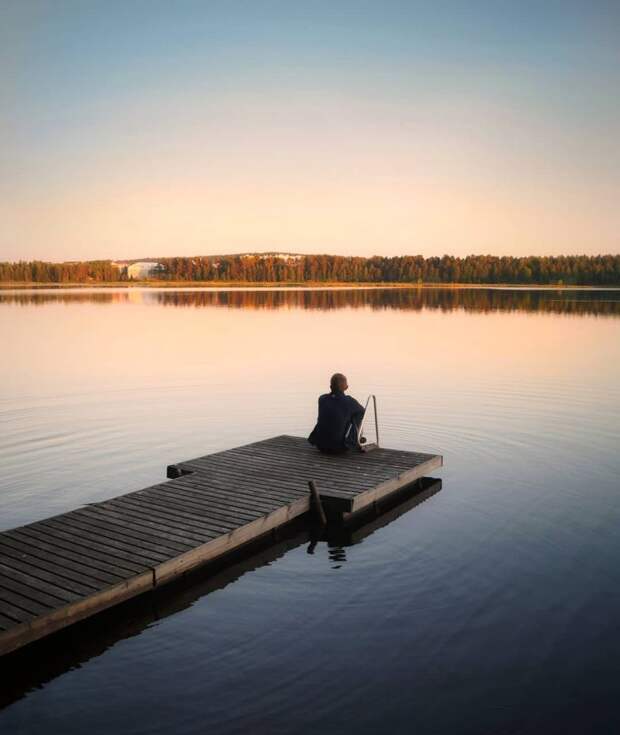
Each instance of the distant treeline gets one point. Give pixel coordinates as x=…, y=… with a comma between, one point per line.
x=563, y=270
x=38, y=271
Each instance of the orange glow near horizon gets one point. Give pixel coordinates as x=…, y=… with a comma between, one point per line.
x=374, y=137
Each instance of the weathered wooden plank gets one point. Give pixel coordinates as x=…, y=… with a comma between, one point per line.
x=204, y=495
x=279, y=485
x=238, y=468
x=50, y=571
x=86, y=538
x=361, y=468
x=101, y=533
x=98, y=540
x=210, y=482
x=182, y=539
x=9, y=573
x=124, y=522
x=168, y=510
x=290, y=475
x=352, y=472
x=270, y=476
x=214, y=509
x=25, y=603
x=30, y=592
x=91, y=558
x=106, y=519
x=204, y=492
x=206, y=527
x=199, y=536
x=272, y=487
x=17, y=613
x=29, y=554
x=207, y=510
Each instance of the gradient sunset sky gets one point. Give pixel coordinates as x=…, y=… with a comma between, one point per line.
x=133, y=129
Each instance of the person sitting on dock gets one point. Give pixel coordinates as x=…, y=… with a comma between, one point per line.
x=340, y=417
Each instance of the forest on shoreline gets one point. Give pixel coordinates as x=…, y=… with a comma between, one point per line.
x=569, y=270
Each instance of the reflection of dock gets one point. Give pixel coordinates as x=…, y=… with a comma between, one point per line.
x=63, y=569
x=33, y=666
x=382, y=514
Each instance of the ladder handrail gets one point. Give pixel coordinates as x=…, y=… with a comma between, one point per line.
x=374, y=404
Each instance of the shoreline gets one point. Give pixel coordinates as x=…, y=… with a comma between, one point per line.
x=292, y=285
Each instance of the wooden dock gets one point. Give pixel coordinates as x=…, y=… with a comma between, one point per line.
x=63, y=569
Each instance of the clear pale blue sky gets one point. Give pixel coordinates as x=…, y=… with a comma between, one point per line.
x=150, y=128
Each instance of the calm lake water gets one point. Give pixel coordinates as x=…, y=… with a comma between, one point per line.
x=491, y=607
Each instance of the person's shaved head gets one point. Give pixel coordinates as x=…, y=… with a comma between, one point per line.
x=338, y=382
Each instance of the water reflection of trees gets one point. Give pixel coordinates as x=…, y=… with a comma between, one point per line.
x=30, y=298
x=599, y=303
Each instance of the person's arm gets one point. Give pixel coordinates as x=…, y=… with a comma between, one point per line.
x=357, y=410
x=356, y=414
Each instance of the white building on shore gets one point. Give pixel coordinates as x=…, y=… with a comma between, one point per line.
x=144, y=269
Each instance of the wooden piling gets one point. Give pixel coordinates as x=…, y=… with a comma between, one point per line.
x=317, y=505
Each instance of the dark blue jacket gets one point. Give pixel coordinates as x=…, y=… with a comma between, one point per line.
x=336, y=413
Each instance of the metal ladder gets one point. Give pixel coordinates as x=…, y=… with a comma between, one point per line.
x=363, y=446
